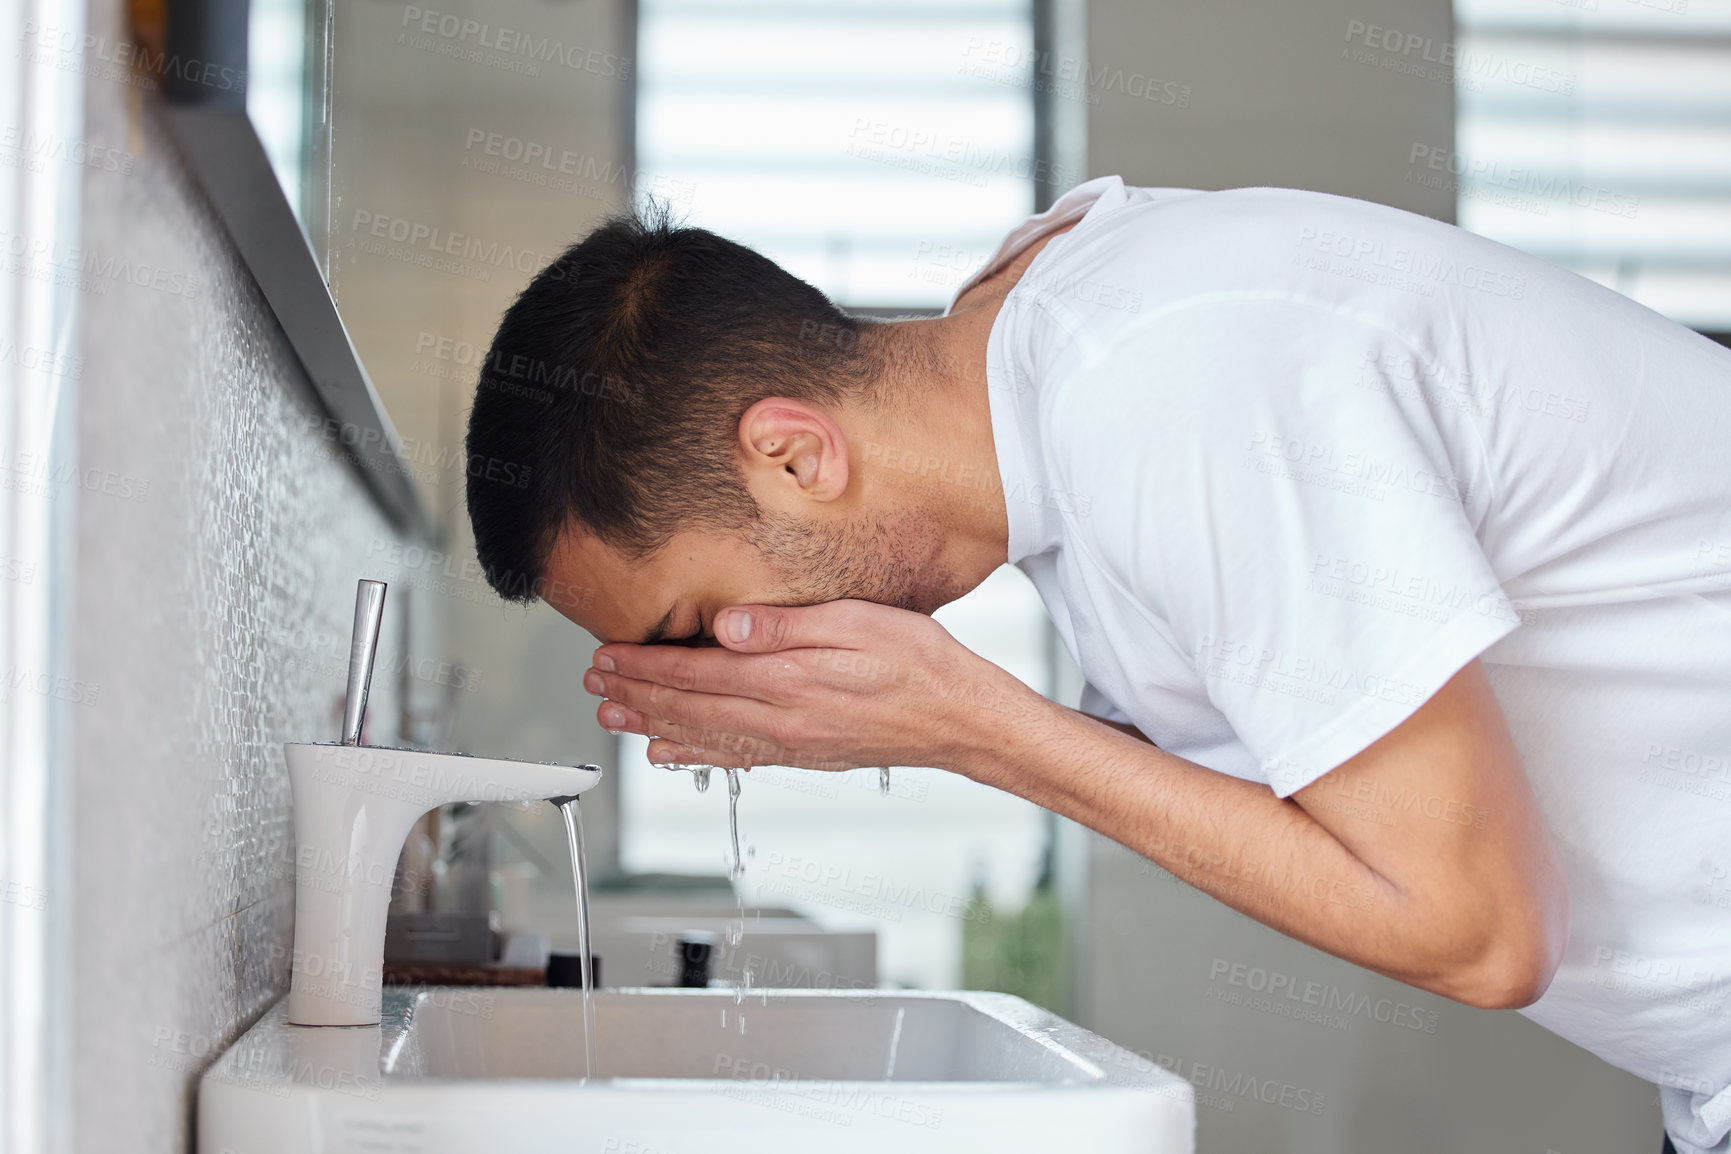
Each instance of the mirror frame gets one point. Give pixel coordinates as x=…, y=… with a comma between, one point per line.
x=220, y=143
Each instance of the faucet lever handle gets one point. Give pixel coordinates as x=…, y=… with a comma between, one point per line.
x=369, y=615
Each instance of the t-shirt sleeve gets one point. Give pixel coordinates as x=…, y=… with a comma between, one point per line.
x=1097, y=704
x=1267, y=481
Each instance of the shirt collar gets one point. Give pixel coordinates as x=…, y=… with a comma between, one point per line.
x=1012, y=389
x=1067, y=209
x=1015, y=409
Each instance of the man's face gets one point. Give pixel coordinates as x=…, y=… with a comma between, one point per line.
x=675, y=594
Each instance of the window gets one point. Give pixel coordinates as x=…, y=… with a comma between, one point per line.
x=1597, y=134
x=878, y=150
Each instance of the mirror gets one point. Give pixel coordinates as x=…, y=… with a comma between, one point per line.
x=259, y=144
x=288, y=103
x=431, y=157
x=472, y=143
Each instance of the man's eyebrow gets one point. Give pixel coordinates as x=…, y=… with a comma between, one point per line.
x=658, y=632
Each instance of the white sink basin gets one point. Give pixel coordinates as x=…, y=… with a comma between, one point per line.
x=475, y=1070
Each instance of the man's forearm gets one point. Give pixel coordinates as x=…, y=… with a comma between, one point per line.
x=1234, y=839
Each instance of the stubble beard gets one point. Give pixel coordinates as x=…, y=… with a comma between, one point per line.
x=890, y=560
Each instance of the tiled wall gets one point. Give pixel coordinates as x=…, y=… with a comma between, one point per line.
x=215, y=592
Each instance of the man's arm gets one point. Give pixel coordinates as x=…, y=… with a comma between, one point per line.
x=1425, y=857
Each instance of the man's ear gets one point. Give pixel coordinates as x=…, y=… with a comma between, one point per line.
x=794, y=448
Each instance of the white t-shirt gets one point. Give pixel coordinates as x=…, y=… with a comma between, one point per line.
x=1281, y=463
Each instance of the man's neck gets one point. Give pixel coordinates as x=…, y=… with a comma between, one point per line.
x=929, y=447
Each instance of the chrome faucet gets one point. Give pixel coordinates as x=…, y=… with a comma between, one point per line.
x=353, y=807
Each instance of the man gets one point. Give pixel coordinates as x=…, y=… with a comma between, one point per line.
x=1398, y=564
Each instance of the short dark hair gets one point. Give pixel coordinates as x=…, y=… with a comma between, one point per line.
x=613, y=390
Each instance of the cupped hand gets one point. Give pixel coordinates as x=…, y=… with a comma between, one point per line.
x=833, y=686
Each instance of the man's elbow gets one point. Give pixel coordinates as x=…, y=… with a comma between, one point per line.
x=1510, y=984
x=1516, y=967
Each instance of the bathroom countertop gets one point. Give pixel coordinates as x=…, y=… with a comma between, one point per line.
x=462, y=974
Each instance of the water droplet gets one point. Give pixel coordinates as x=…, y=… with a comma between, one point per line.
x=700, y=775
x=884, y=780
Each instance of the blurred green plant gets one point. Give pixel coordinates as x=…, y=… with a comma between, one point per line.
x=1019, y=953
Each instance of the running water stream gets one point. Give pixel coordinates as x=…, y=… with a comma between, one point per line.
x=736, y=928
x=700, y=778
x=738, y=870
x=700, y=775
x=580, y=876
